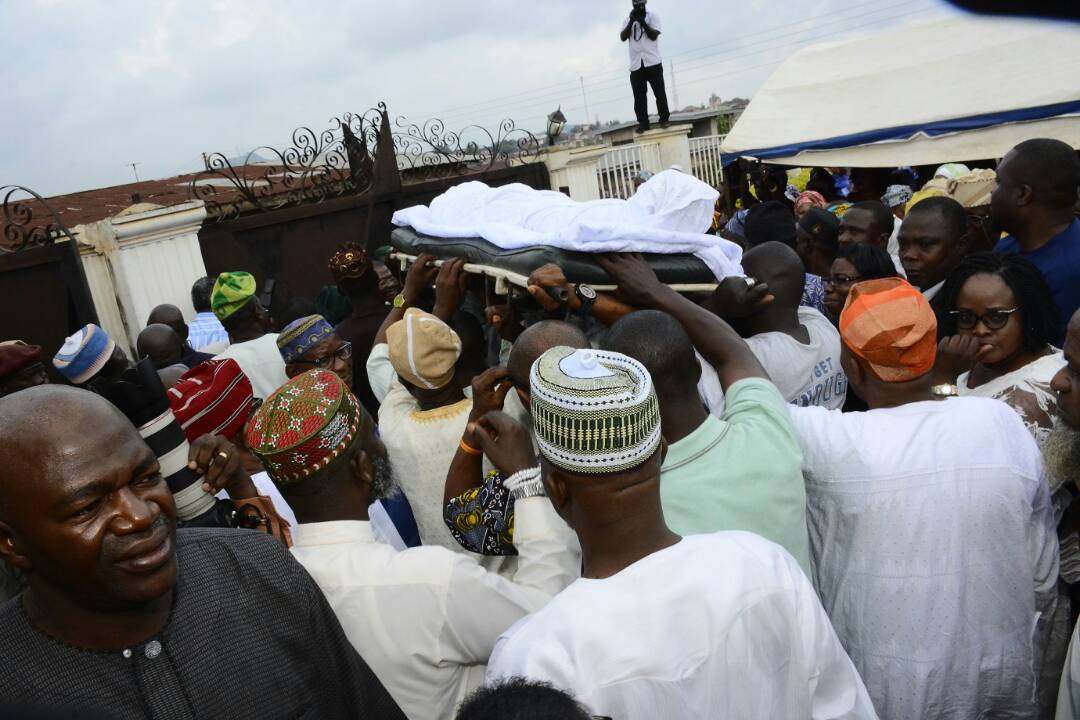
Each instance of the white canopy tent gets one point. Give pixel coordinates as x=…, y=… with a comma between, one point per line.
x=960, y=89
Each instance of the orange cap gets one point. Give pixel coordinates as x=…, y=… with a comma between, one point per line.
x=889, y=324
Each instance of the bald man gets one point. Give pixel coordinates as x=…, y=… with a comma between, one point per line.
x=172, y=316
x=533, y=342
x=798, y=347
x=161, y=344
x=124, y=616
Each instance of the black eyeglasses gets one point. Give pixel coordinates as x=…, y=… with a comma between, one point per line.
x=327, y=361
x=994, y=319
x=842, y=279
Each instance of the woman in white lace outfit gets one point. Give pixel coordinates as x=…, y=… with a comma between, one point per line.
x=997, y=317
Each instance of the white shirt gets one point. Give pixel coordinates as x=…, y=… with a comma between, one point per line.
x=644, y=52
x=426, y=619
x=935, y=552
x=807, y=374
x=716, y=626
x=930, y=292
x=261, y=361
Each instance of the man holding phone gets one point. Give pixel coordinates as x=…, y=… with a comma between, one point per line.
x=641, y=29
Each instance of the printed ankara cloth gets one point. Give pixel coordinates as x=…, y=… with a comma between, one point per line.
x=212, y=398
x=304, y=426
x=889, y=324
x=84, y=354
x=232, y=291
x=300, y=336
x=349, y=262
x=594, y=412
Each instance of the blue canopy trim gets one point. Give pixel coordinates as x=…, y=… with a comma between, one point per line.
x=901, y=132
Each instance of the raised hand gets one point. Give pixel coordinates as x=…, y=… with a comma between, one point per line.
x=505, y=441
x=449, y=289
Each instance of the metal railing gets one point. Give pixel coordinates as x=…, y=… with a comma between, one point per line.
x=705, y=159
x=618, y=167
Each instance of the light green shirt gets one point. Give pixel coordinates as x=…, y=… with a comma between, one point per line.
x=742, y=472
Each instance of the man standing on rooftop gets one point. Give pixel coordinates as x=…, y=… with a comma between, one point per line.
x=641, y=29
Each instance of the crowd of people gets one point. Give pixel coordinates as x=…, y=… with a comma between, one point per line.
x=838, y=487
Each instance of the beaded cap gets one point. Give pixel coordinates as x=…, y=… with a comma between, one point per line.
x=594, y=412
x=304, y=426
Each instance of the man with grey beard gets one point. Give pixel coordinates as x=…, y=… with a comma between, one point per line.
x=424, y=619
x=1062, y=455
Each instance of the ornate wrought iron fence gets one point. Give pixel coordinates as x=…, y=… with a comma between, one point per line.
x=28, y=220
x=357, y=153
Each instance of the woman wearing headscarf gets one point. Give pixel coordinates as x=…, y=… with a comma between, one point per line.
x=807, y=200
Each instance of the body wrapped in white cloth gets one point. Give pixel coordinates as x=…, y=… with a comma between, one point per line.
x=670, y=213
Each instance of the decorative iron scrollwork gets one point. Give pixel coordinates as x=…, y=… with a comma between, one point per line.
x=429, y=151
x=28, y=222
x=358, y=153
x=314, y=168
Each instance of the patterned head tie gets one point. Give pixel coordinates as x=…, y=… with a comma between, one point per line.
x=349, y=262
x=594, y=412
x=84, y=354
x=232, y=291
x=300, y=336
x=306, y=424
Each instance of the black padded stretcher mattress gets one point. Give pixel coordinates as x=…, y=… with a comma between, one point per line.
x=578, y=267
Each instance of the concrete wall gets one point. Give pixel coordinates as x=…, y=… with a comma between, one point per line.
x=136, y=261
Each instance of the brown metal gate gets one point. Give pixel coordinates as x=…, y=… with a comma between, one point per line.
x=42, y=283
x=283, y=220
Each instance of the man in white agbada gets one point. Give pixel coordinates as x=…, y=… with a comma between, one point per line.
x=424, y=619
x=709, y=626
x=931, y=527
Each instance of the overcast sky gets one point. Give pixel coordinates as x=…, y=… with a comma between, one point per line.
x=92, y=86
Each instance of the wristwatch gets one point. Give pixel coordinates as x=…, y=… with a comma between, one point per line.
x=525, y=484
x=400, y=301
x=944, y=390
x=587, y=296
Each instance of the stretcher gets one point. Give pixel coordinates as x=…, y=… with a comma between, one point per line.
x=511, y=268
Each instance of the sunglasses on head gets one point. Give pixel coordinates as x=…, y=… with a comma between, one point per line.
x=994, y=319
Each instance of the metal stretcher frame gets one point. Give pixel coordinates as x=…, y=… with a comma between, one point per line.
x=504, y=279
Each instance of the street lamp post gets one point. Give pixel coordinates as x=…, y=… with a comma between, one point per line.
x=556, y=123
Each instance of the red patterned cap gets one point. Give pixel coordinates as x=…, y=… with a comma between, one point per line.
x=212, y=398
x=304, y=426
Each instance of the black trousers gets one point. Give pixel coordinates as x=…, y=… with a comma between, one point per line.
x=654, y=76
